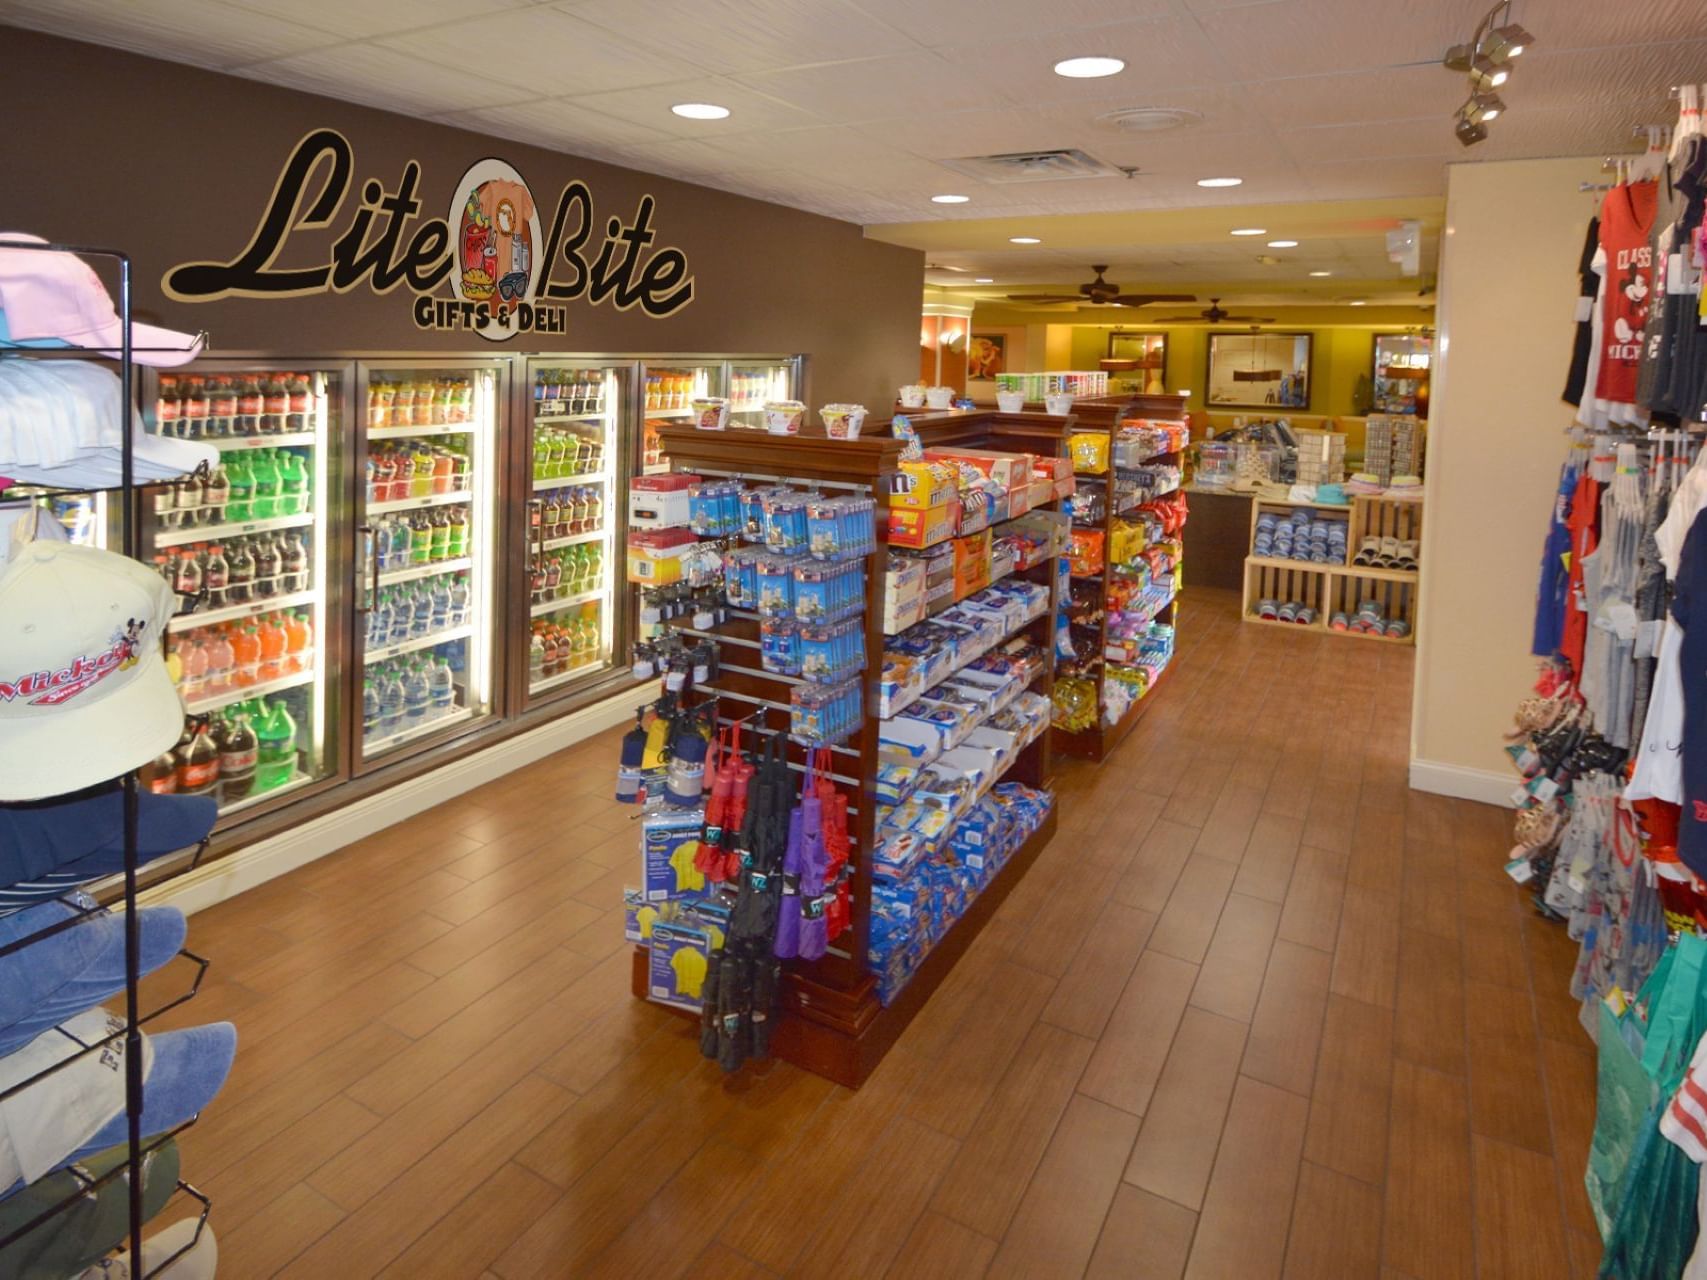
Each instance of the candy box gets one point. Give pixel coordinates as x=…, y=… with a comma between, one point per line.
x=680, y=957
x=1045, y=491
x=922, y=485
x=922, y=527
x=669, y=841
x=1006, y=469
x=971, y=563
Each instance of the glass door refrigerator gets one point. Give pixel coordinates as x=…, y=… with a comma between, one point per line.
x=247, y=546
x=565, y=620
x=668, y=390
x=425, y=567
x=754, y=380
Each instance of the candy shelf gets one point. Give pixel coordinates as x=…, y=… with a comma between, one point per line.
x=830, y=1020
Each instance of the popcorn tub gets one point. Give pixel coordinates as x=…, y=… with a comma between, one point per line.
x=710, y=413
x=783, y=417
x=842, y=421
x=913, y=396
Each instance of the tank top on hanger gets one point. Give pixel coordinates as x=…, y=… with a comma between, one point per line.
x=1626, y=223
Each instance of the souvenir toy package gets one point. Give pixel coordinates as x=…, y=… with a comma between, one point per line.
x=714, y=508
x=680, y=957
x=786, y=528
x=833, y=651
x=825, y=713
x=826, y=592
x=779, y=646
x=841, y=528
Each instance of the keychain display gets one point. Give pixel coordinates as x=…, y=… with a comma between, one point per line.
x=823, y=713
x=714, y=509
x=829, y=654
x=841, y=528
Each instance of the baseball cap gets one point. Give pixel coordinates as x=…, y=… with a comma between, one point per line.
x=84, y=691
x=78, y=1109
x=64, y=974
x=48, y=847
x=188, y=1246
x=97, y=1221
x=61, y=425
x=53, y=298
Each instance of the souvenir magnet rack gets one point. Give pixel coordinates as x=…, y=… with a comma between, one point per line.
x=830, y=1020
x=125, y=896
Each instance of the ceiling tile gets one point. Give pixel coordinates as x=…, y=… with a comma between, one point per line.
x=955, y=24
x=835, y=153
x=556, y=123
x=1349, y=97
x=197, y=31
x=650, y=106
x=738, y=36
x=1316, y=37
x=1577, y=25
x=383, y=78
x=367, y=17
x=540, y=49
x=883, y=88
x=1325, y=144
x=1348, y=179
x=1637, y=74
x=1160, y=54
x=950, y=135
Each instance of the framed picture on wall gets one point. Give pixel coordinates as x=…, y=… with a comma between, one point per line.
x=1400, y=375
x=1259, y=370
x=986, y=355
x=1150, y=350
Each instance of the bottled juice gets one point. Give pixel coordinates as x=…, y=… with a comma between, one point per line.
x=403, y=482
x=440, y=523
x=420, y=539
x=457, y=545
x=246, y=654
x=175, y=660
x=379, y=397
x=444, y=471
x=421, y=414
x=462, y=400
x=221, y=663
x=271, y=635
x=421, y=484
x=403, y=404
x=299, y=642
x=195, y=666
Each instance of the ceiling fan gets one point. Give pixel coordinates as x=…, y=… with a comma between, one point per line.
x=1215, y=315
x=1100, y=292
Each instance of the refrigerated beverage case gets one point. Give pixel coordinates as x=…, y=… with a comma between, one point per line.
x=238, y=758
x=198, y=767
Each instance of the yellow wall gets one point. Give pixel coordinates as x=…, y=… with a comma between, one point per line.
x=1508, y=289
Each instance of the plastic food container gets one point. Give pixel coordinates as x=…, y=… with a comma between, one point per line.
x=1010, y=401
x=783, y=417
x=1058, y=402
x=710, y=413
x=842, y=421
x=939, y=397
x=913, y=396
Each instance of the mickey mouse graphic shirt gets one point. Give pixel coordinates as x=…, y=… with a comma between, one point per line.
x=1626, y=247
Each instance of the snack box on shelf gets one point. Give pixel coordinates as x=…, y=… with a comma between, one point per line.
x=920, y=486
x=922, y=527
x=655, y=555
x=1008, y=470
x=659, y=501
x=903, y=593
x=923, y=655
x=971, y=563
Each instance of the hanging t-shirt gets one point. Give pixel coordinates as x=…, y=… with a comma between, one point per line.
x=1552, y=594
x=1583, y=342
x=1626, y=225
x=1582, y=522
x=1689, y=608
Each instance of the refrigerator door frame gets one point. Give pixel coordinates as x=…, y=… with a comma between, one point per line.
x=594, y=686
x=334, y=515
x=503, y=366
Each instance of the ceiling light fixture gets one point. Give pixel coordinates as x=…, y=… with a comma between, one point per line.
x=1220, y=182
x=950, y=199
x=1249, y=231
x=1321, y=274
x=700, y=111
x=1358, y=302
x=985, y=280
x=1092, y=68
x=1024, y=240
x=1282, y=244
x=1485, y=60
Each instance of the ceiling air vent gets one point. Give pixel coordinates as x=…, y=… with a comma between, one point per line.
x=1034, y=166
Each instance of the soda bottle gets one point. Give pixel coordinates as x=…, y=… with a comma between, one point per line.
x=275, y=405
x=190, y=578
x=192, y=414
x=293, y=562
x=299, y=641
x=187, y=500
x=250, y=402
x=421, y=486
x=268, y=561
x=385, y=474
x=440, y=523
x=246, y=655
x=168, y=405
x=297, y=389
x=459, y=600
x=276, y=748
x=160, y=775
x=241, y=557
x=420, y=539
x=221, y=663
x=594, y=517
x=417, y=695
x=456, y=545
x=264, y=484
x=293, y=484
x=216, y=496
x=444, y=471
x=240, y=505
x=370, y=706
x=238, y=757
x=221, y=406
x=536, y=655
x=216, y=576
x=198, y=766
x=442, y=686
x=272, y=636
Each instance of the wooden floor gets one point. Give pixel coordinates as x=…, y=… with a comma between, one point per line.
x=1258, y=1010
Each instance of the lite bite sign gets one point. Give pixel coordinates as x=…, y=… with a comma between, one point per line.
x=508, y=272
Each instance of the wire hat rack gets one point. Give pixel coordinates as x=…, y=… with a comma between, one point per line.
x=137, y=1150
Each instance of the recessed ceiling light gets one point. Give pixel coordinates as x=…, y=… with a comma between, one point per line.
x=1089, y=68
x=985, y=280
x=1250, y=231
x=1024, y=240
x=1320, y=274
x=700, y=111
x=1357, y=302
x=1282, y=244
x=1219, y=182
x=950, y=199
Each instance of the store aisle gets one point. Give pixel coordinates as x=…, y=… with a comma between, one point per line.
x=1258, y=1010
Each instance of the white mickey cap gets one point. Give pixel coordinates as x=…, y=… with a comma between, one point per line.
x=84, y=691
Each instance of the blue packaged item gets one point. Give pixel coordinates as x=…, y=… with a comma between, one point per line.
x=785, y=525
x=679, y=958
x=775, y=579
x=779, y=646
x=669, y=840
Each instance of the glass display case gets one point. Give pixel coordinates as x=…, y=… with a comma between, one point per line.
x=425, y=587
x=667, y=392
x=753, y=383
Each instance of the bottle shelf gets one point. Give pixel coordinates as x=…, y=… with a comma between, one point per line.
x=567, y=602
x=432, y=640
x=284, y=440
x=374, y=746
x=669, y=413
x=411, y=573
x=296, y=679
x=239, y=529
x=564, y=482
x=415, y=504
x=573, y=540
x=253, y=609
x=297, y=781
x=564, y=677
x=423, y=432
x=554, y=416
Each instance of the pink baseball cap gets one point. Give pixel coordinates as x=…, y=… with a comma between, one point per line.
x=55, y=298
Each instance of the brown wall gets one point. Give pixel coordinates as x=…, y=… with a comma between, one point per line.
x=174, y=164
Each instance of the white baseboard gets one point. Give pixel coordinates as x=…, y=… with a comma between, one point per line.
x=1463, y=783
x=229, y=876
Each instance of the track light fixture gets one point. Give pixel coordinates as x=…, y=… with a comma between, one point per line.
x=1486, y=61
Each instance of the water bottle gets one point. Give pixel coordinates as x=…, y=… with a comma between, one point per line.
x=417, y=695
x=441, y=603
x=370, y=709
x=443, y=687
x=400, y=541
x=401, y=612
x=459, y=600
x=379, y=621
x=421, y=612
x=391, y=704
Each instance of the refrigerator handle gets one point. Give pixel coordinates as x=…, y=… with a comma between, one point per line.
x=370, y=568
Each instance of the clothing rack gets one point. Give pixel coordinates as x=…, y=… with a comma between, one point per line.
x=134, y=1019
